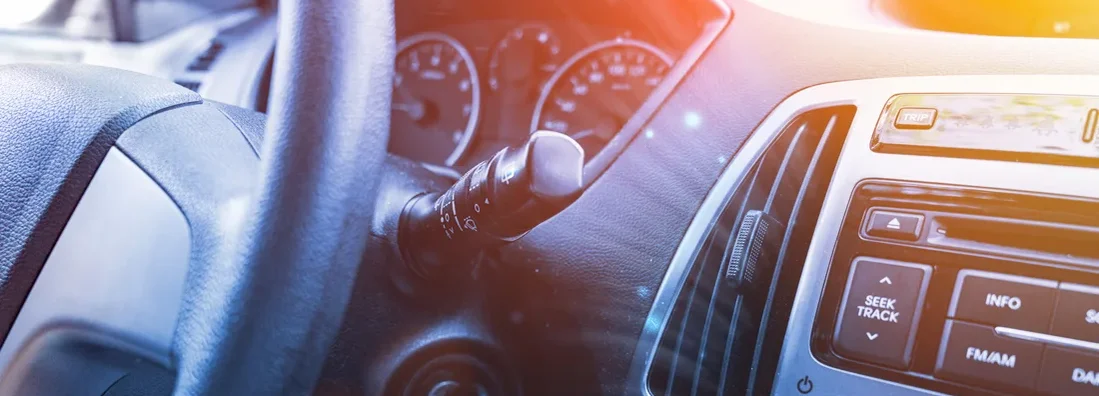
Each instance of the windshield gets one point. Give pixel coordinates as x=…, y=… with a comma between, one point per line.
x=136, y=20
x=88, y=19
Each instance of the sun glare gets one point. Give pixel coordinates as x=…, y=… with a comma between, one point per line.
x=18, y=12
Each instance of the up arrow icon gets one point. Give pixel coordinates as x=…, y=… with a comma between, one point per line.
x=894, y=224
x=886, y=280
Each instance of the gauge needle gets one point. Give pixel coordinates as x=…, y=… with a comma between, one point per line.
x=583, y=134
x=415, y=110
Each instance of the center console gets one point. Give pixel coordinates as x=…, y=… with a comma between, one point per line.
x=955, y=250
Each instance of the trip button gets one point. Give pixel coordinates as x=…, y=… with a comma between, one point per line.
x=975, y=354
x=894, y=225
x=1067, y=372
x=915, y=118
x=1077, y=313
x=880, y=311
x=1003, y=300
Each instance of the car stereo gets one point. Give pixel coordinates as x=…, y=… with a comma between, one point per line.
x=963, y=290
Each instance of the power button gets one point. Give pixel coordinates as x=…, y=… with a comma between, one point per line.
x=805, y=385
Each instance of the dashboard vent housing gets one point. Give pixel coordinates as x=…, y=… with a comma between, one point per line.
x=192, y=76
x=191, y=85
x=696, y=353
x=206, y=59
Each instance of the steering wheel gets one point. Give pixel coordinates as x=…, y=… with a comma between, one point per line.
x=272, y=245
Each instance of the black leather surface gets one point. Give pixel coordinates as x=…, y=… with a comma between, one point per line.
x=250, y=123
x=305, y=228
x=202, y=161
x=586, y=279
x=56, y=124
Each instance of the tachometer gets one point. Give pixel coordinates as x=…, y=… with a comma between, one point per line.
x=436, y=98
x=593, y=94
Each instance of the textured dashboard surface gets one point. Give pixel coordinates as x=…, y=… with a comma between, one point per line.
x=604, y=257
x=56, y=124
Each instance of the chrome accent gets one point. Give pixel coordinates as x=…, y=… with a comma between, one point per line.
x=1047, y=339
x=797, y=360
x=1079, y=288
x=119, y=264
x=475, y=82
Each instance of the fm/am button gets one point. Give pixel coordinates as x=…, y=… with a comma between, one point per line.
x=880, y=311
x=976, y=355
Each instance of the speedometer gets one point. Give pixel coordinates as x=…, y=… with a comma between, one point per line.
x=597, y=90
x=436, y=97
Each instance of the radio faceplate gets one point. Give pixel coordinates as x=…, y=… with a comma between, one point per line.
x=989, y=310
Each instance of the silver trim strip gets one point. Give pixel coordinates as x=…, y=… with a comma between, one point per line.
x=797, y=360
x=471, y=126
x=1079, y=288
x=1047, y=339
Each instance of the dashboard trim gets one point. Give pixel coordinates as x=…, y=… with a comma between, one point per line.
x=675, y=76
x=797, y=361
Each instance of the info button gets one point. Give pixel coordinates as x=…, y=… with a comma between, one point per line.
x=880, y=311
x=1003, y=300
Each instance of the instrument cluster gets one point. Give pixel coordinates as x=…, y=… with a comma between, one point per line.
x=461, y=92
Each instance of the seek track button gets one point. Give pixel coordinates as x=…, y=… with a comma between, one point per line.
x=880, y=310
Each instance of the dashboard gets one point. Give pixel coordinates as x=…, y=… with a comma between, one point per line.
x=804, y=116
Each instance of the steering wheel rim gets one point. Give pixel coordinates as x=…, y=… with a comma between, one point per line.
x=298, y=248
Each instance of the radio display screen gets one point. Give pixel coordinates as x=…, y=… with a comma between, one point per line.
x=1057, y=129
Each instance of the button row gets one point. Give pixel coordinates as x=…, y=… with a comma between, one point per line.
x=976, y=354
x=1038, y=305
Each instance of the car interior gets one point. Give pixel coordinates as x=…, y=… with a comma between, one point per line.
x=557, y=197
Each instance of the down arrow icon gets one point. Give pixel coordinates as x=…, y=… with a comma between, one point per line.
x=872, y=337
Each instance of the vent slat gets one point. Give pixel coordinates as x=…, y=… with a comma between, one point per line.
x=710, y=343
x=206, y=59
x=191, y=85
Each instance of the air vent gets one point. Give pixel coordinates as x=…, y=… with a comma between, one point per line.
x=191, y=85
x=196, y=70
x=721, y=332
x=206, y=58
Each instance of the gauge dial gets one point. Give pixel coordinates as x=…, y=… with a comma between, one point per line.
x=524, y=59
x=436, y=98
x=596, y=91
